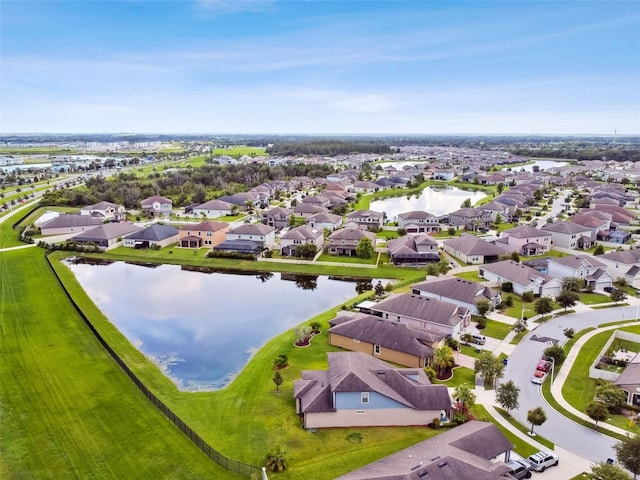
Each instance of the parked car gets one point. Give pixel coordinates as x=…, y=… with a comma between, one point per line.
x=519, y=469
x=478, y=339
x=543, y=366
x=538, y=377
x=541, y=460
x=610, y=289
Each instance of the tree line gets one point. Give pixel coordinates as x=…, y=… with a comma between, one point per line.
x=327, y=147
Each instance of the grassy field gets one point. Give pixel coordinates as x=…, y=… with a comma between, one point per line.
x=68, y=411
x=593, y=298
x=461, y=376
x=496, y=329
x=471, y=276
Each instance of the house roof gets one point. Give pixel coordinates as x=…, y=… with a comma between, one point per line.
x=587, y=220
x=565, y=227
x=102, y=206
x=630, y=376
x=302, y=207
x=153, y=233
x=254, y=229
x=627, y=257
x=205, y=226
x=517, y=273
x=156, y=198
x=408, y=244
x=107, y=231
x=68, y=221
x=416, y=215
x=359, y=372
x=457, y=289
x=215, y=205
x=364, y=214
x=242, y=246
x=525, y=231
x=425, y=309
x=285, y=212
x=463, y=452
x=471, y=245
x=303, y=232
x=325, y=217
x=469, y=212
x=400, y=337
x=352, y=234
x=576, y=261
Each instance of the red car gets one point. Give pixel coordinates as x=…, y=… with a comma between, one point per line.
x=543, y=366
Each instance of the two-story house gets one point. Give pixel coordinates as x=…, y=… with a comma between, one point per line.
x=277, y=217
x=592, y=270
x=365, y=219
x=264, y=234
x=203, y=234
x=106, y=211
x=157, y=206
x=623, y=264
x=413, y=250
x=569, y=235
x=325, y=220
x=345, y=241
x=301, y=235
x=527, y=240
x=418, y=221
x=458, y=291
x=470, y=218
x=522, y=277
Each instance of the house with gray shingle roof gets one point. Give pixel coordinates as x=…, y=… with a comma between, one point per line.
x=361, y=391
x=474, y=450
x=160, y=235
x=427, y=313
x=323, y=220
x=365, y=219
x=258, y=232
x=459, y=291
x=277, y=217
x=203, y=234
x=522, y=277
x=473, y=250
x=108, y=235
x=64, y=224
x=527, y=240
x=588, y=267
x=105, y=211
x=470, y=218
x=301, y=235
x=413, y=250
x=214, y=209
x=395, y=342
x=418, y=221
x=567, y=234
x=157, y=206
x=345, y=241
x=623, y=264
x=629, y=381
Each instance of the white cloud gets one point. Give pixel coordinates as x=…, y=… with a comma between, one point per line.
x=234, y=6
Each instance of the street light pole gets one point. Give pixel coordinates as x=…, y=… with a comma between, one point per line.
x=553, y=366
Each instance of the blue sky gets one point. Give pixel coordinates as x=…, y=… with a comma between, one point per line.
x=270, y=66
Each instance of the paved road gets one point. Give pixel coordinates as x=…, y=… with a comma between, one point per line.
x=556, y=208
x=557, y=428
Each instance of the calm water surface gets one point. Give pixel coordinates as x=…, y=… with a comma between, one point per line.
x=202, y=328
x=435, y=200
x=542, y=164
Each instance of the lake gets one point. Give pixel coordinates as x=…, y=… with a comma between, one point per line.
x=435, y=200
x=542, y=164
x=201, y=326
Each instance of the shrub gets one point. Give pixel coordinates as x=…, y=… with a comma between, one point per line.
x=508, y=302
x=436, y=423
x=527, y=296
x=507, y=287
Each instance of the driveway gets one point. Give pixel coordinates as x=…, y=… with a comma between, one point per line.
x=558, y=429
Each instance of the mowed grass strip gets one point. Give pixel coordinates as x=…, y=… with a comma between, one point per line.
x=68, y=411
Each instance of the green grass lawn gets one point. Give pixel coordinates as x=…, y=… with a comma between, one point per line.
x=501, y=227
x=461, y=376
x=388, y=234
x=68, y=411
x=325, y=257
x=591, y=298
x=515, y=311
x=579, y=389
x=471, y=276
x=496, y=329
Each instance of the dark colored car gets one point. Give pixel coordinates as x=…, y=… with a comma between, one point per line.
x=519, y=469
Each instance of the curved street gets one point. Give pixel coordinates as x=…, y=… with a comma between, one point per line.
x=559, y=429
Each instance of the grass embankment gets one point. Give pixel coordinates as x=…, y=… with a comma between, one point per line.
x=523, y=448
x=523, y=428
x=247, y=418
x=68, y=411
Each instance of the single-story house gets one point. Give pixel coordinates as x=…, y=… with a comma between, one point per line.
x=399, y=343
x=474, y=450
x=214, y=209
x=203, y=234
x=413, y=250
x=64, y=224
x=588, y=267
x=522, y=277
x=473, y=250
x=459, y=291
x=301, y=235
x=161, y=235
x=107, y=235
x=105, y=211
x=157, y=206
x=361, y=391
x=426, y=313
x=629, y=381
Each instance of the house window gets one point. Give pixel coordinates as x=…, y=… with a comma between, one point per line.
x=359, y=412
x=376, y=349
x=208, y=234
x=364, y=397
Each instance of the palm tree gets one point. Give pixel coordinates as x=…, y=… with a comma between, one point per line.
x=443, y=359
x=276, y=460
